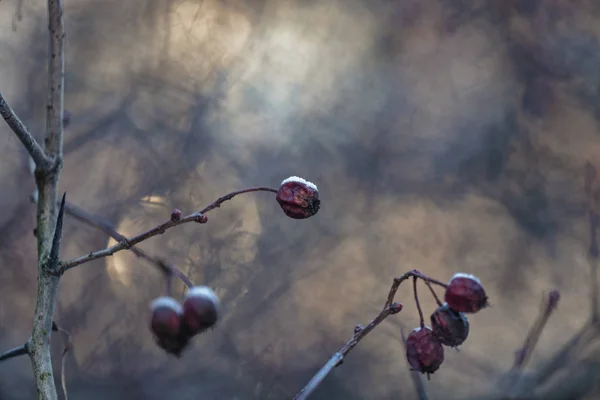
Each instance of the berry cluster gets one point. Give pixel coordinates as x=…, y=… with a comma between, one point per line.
x=449, y=324
x=174, y=324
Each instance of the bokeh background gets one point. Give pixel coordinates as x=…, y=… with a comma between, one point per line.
x=443, y=135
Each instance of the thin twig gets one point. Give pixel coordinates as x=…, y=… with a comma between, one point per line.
x=18, y=127
x=549, y=304
x=592, y=191
x=128, y=243
x=168, y=269
x=16, y=352
x=435, y=296
x=389, y=308
x=421, y=319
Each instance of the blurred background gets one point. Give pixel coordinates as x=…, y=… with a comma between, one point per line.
x=445, y=136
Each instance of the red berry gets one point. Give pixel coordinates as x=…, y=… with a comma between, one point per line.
x=424, y=351
x=465, y=294
x=298, y=198
x=200, y=310
x=451, y=328
x=166, y=325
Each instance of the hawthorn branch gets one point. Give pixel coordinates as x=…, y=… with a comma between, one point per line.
x=128, y=243
x=47, y=183
x=32, y=146
x=168, y=269
x=12, y=353
x=389, y=308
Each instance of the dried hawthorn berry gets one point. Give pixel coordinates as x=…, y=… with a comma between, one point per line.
x=424, y=351
x=298, y=198
x=200, y=310
x=465, y=294
x=166, y=325
x=451, y=328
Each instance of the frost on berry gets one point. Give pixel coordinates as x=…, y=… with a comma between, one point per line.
x=298, y=198
x=200, y=310
x=166, y=325
x=424, y=351
x=451, y=328
x=465, y=294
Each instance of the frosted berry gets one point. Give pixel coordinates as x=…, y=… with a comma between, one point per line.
x=424, y=351
x=465, y=294
x=451, y=328
x=298, y=198
x=200, y=310
x=166, y=325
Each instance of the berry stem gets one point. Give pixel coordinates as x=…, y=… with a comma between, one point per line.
x=421, y=319
x=435, y=296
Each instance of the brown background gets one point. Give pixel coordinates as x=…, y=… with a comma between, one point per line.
x=444, y=135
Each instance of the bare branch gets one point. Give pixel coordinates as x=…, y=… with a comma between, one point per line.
x=18, y=127
x=56, y=79
x=389, y=308
x=128, y=243
x=47, y=182
x=96, y=222
x=549, y=304
x=12, y=353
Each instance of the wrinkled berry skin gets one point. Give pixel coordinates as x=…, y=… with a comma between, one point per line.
x=200, y=310
x=166, y=325
x=424, y=351
x=465, y=294
x=451, y=328
x=298, y=198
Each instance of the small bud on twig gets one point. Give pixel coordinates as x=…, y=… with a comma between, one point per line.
x=175, y=215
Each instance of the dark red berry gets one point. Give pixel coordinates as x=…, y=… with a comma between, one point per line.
x=298, y=198
x=465, y=294
x=200, y=310
x=175, y=215
x=166, y=325
x=451, y=328
x=424, y=351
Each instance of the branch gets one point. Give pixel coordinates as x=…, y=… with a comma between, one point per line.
x=18, y=127
x=16, y=352
x=128, y=243
x=47, y=182
x=389, y=308
x=549, y=304
x=96, y=222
